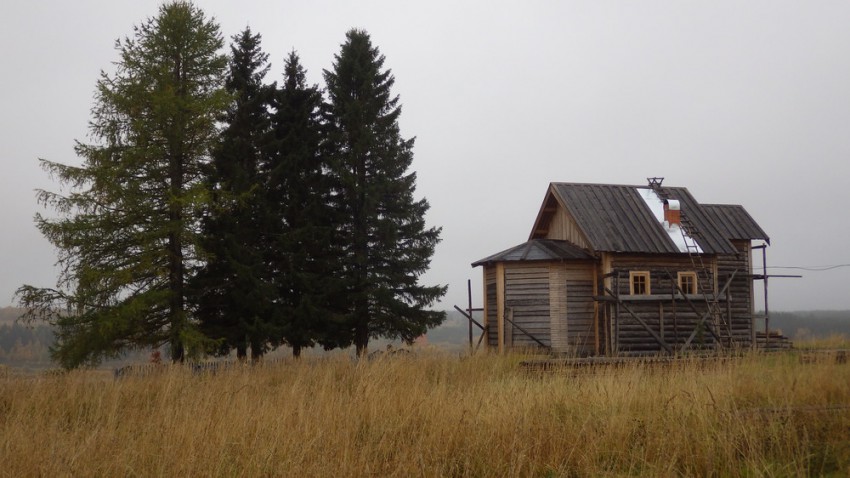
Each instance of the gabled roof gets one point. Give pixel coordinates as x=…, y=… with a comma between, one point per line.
x=614, y=218
x=735, y=222
x=538, y=250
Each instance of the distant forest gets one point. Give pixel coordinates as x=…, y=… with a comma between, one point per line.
x=811, y=324
x=22, y=344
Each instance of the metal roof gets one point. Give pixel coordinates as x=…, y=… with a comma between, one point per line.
x=538, y=250
x=735, y=221
x=614, y=218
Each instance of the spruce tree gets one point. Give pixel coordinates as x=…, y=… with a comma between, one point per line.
x=127, y=228
x=299, y=219
x=387, y=243
x=232, y=290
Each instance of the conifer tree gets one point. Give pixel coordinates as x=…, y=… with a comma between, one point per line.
x=127, y=228
x=233, y=290
x=387, y=243
x=299, y=221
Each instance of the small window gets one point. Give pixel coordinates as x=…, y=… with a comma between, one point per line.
x=688, y=282
x=639, y=283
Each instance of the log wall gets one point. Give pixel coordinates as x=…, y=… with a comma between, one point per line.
x=740, y=304
x=573, y=314
x=553, y=302
x=490, y=304
x=527, y=296
x=658, y=266
x=673, y=321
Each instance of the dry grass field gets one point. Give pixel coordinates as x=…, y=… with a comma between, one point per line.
x=433, y=415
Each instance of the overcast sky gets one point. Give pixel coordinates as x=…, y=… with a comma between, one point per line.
x=741, y=102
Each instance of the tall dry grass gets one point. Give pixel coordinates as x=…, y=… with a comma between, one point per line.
x=434, y=416
x=832, y=341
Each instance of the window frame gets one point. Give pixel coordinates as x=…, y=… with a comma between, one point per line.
x=693, y=275
x=646, y=282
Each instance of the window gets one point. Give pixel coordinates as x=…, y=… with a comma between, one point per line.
x=639, y=283
x=688, y=282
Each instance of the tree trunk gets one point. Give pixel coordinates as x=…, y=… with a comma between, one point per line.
x=177, y=351
x=175, y=261
x=361, y=329
x=256, y=351
x=176, y=271
x=175, y=285
x=361, y=260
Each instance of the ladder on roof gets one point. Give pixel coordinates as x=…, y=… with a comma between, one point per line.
x=705, y=284
x=721, y=326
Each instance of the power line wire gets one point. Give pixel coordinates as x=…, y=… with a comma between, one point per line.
x=807, y=268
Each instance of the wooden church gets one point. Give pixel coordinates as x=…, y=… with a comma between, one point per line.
x=626, y=270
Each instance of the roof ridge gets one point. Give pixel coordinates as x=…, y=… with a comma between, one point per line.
x=721, y=205
x=599, y=184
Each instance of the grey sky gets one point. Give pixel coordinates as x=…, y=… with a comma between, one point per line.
x=741, y=102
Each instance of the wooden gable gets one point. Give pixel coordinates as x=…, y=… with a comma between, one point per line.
x=616, y=218
x=554, y=221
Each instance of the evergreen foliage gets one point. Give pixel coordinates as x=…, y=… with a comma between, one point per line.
x=233, y=291
x=294, y=224
x=299, y=220
x=387, y=246
x=126, y=232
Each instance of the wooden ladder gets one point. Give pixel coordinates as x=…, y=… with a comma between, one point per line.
x=721, y=326
x=705, y=284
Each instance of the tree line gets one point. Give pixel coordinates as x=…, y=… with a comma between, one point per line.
x=215, y=211
x=22, y=344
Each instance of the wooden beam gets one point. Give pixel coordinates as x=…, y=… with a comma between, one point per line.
x=646, y=326
x=469, y=317
x=486, y=311
x=500, y=307
x=705, y=315
x=469, y=308
x=509, y=318
x=483, y=334
x=663, y=297
x=595, y=313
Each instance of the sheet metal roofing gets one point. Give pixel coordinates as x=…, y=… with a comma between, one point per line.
x=538, y=250
x=615, y=218
x=735, y=221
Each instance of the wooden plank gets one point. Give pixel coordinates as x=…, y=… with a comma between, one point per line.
x=500, y=306
x=484, y=271
x=514, y=272
x=544, y=303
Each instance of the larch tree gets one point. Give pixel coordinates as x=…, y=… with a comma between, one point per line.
x=233, y=290
x=127, y=226
x=387, y=244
